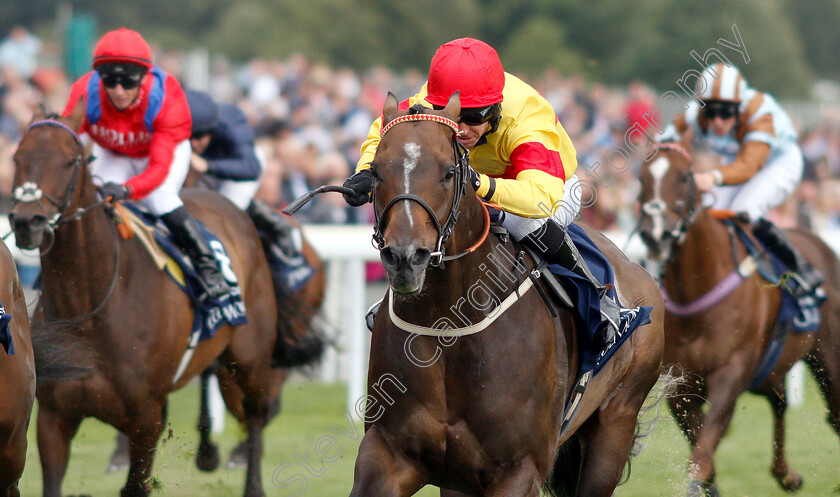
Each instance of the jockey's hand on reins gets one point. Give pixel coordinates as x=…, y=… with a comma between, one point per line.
x=362, y=184
x=114, y=192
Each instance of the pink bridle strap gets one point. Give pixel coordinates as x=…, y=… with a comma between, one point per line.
x=420, y=117
x=675, y=146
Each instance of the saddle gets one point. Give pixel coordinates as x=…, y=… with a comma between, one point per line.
x=134, y=221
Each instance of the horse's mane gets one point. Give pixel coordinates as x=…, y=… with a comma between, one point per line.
x=417, y=109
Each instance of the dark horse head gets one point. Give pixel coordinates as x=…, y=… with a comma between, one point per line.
x=40, y=199
x=668, y=198
x=420, y=180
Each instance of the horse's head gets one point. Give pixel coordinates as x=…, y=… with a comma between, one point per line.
x=421, y=175
x=669, y=199
x=49, y=165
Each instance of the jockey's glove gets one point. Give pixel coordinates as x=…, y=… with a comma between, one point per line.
x=116, y=191
x=362, y=184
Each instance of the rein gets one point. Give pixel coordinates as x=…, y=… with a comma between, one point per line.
x=462, y=160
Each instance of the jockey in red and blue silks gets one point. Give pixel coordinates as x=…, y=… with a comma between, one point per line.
x=523, y=159
x=139, y=120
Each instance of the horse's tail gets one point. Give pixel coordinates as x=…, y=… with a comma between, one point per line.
x=59, y=354
x=649, y=415
x=563, y=479
x=300, y=334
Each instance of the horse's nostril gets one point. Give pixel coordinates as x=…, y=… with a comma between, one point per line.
x=421, y=257
x=387, y=257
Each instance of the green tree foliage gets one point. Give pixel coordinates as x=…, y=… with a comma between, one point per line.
x=615, y=41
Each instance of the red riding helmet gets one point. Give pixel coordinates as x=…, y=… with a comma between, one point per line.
x=468, y=65
x=122, y=46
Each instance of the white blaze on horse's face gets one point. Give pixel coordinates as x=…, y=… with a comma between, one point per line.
x=412, y=156
x=658, y=169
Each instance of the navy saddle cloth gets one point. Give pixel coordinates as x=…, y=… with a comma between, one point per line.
x=588, y=302
x=5, y=332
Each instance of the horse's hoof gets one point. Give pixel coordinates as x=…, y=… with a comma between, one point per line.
x=239, y=456
x=791, y=481
x=207, y=458
x=119, y=462
x=699, y=488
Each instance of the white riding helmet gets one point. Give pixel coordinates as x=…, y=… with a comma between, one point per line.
x=722, y=82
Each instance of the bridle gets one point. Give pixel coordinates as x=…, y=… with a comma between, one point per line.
x=462, y=159
x=656, y=208
x=30, y=192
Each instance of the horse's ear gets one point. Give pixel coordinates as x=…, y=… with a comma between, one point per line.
x=40, y=113
x=453, y=106
x=77, y=117
x=390, y=109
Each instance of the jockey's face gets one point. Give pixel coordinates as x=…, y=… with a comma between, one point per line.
x=120, y=97
x=721, y=126
x=721, y=115
x=469, y=135
x=199, y=143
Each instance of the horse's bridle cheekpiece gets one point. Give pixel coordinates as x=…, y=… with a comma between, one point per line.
x=30, y=192
x=462, y=160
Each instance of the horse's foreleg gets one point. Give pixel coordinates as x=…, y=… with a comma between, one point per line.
x=143, y=438
x=789, y=480
x=380, y=472
x=724, y=386
x=207, y=457
x=687, y=407
x=55, y=431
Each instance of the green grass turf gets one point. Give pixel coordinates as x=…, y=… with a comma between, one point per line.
x=312, y=411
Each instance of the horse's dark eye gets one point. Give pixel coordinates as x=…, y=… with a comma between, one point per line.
x=374, y=172
x=450, y=172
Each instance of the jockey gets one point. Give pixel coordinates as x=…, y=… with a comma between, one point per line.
x=524, y=161
x=138, y=119
x=223, y=150
x=761, y=162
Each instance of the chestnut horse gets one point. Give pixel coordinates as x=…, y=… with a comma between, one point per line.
x=482, y=414
x=720, y=347
x=133, y=318
x=17, y=378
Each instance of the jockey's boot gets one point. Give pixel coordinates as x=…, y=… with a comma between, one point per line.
x=282, y=234
x=187, y=235
x=777, y=241
x=556, y=246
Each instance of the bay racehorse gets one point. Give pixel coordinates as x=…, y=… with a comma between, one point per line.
x=481, y=414
x=719, y=339
x=134, y=318
x=298, y=311
x=17, y=376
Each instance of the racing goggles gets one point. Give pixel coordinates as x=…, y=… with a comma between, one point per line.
x=477, y=117
x=724, y=110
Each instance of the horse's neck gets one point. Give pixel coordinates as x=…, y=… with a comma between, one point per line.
x=701, y=261
x=79, y=262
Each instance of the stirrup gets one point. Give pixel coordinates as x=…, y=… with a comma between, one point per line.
x=607, y=331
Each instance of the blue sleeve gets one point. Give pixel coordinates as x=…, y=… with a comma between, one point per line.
x=231, y=153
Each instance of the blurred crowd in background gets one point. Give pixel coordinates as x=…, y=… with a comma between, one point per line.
x=310, y=121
